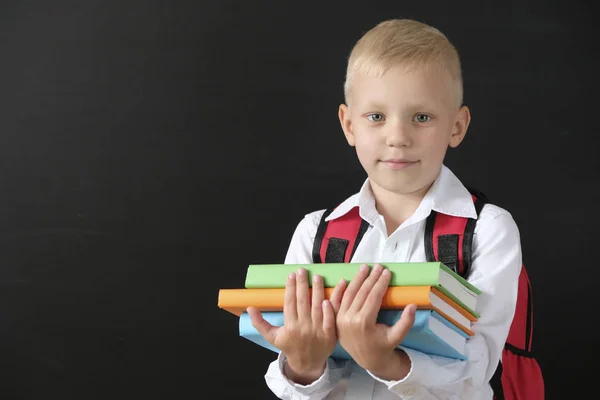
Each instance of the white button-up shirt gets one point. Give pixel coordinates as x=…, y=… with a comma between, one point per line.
x=495, y=269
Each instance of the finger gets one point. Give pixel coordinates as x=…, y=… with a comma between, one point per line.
x=353, y=287
x=336, y=295
x=328, y=319
x=366, y=287
x=372, y=303
x=289, y=299
x=268, y=331
x=400, y=329
x=317, y=300
x=302, y=296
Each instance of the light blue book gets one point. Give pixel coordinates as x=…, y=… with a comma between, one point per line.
x=431, y=333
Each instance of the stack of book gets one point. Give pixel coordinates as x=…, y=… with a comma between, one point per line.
x=445, y=302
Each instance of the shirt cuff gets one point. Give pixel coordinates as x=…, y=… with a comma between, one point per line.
x=324, y=380
x=410, y=386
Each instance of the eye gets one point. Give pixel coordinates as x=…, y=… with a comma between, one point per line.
x=375, y=117
x=422, y=118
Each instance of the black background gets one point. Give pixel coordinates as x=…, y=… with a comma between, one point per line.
x=150, y=151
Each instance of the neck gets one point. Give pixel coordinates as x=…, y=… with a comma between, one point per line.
x=396, y=207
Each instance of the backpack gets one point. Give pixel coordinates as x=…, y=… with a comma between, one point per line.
x=448, y=239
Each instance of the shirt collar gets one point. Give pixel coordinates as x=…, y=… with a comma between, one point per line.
x=447, y=195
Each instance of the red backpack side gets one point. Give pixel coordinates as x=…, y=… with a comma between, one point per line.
x=448, y=239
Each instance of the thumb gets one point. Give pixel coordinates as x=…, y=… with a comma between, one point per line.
x=268, y=331
x=400, y=329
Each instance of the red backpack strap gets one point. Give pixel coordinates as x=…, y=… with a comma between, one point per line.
x=521, y=331
x=449, y=239
x=337, y=240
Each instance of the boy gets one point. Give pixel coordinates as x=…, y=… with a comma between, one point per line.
x=403, y=95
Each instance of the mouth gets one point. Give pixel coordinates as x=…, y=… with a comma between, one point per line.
x=398, y=163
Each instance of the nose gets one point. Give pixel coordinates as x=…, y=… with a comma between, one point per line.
x=398, y=135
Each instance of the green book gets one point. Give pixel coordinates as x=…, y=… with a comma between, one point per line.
x=433, y=274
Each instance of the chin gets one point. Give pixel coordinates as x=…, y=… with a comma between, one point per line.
x=402, y=186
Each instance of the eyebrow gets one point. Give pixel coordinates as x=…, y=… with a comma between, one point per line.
x=372, y=106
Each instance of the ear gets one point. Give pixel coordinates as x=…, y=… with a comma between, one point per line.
x=461, y=124
x=344, y=116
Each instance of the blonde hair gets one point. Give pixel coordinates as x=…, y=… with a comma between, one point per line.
x=403, y=41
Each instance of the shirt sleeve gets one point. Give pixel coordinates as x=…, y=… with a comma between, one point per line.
x=300, y=252
x=496, y=265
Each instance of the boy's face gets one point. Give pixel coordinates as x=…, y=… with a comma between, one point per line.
x=402, y=124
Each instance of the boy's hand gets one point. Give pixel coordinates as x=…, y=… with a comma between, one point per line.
x=308, y=335
x=372, y=345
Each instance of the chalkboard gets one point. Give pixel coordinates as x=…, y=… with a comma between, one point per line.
x=150, y=151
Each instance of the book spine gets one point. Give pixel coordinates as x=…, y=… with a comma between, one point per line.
x=275, y=275
x=403, y=274
x=419, y=337
x=236, y=301
x=267, y=299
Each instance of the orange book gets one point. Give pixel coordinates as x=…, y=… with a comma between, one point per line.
x=397, y=297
